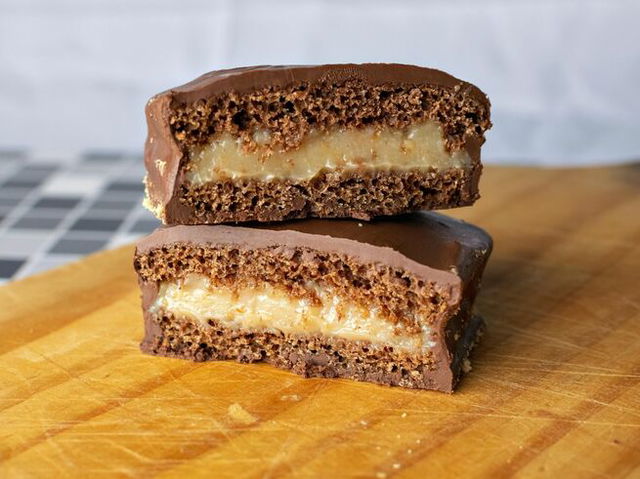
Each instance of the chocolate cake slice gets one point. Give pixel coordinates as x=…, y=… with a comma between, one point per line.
x=273, y=143
x=389, y=301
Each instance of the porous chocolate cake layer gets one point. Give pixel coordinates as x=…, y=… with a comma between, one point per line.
x=275, y=143
x=309, y=355
x=388, y=301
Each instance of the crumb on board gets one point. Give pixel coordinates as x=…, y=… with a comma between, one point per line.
x=290, y=397
x=239, y=414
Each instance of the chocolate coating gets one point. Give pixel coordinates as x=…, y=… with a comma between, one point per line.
x=245, y=79
x=444, y=251
x=161, y=148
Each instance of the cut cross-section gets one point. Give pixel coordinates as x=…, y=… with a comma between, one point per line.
x=388, y=301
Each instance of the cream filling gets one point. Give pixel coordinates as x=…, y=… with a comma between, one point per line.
x=420, y=146
x=269, y=308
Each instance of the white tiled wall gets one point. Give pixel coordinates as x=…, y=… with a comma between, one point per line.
x=562, y=74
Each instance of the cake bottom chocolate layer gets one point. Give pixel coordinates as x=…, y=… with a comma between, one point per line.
x=361, y=195
x=310, y=356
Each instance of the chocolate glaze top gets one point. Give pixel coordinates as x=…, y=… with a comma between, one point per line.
x=431, y=246
x=250, y=78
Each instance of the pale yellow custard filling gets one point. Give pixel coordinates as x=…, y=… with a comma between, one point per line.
x=269, y=308
x=420, y=146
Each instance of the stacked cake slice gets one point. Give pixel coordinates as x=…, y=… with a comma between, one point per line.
x=312, y=272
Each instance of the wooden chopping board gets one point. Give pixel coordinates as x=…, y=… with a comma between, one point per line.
x=554, y=390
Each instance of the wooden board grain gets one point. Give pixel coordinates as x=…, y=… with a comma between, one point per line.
x=554, y=390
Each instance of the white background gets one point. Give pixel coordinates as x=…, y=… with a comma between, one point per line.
x=563, y=76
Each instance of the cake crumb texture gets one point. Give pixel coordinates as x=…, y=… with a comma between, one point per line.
x=290, y=113
x=361, y=195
